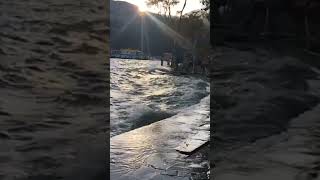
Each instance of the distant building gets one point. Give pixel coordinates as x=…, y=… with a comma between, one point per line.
x=128, y=54
x=115, y=53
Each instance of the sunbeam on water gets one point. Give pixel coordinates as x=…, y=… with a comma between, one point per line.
x=143, y=92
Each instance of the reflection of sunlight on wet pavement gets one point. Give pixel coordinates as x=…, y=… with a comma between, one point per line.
x=152, y=148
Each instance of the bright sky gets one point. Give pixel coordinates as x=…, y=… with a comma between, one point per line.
x=191, y=5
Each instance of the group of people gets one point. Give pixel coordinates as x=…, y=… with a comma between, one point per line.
x=188, y=63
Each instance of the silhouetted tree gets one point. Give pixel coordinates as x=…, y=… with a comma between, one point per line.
x=194, y=28
x=166, y=5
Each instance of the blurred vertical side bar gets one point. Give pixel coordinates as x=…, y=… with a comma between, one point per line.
x=54, y=74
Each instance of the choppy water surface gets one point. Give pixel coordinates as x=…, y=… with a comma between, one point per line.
x=143, y=92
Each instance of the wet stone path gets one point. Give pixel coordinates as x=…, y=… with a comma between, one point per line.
x=150, y=152
x=291, y=155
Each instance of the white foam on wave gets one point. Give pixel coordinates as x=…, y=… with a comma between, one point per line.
x=143, y=92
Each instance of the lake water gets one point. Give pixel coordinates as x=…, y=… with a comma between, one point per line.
x=143, y=92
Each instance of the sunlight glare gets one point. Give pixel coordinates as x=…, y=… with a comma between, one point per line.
x=183, y=42
x=142, y=7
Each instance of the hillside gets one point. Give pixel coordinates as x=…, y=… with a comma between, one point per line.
x=125, y=23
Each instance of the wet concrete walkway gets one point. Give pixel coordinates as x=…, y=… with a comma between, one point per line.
x=291, y=155
x=150, y=152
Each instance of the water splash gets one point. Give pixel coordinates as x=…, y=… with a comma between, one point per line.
x=143, y=92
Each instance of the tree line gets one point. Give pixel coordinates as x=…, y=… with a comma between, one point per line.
x=251, y=19
x=193, y=27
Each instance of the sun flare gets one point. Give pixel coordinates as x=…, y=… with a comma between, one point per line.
x=142, y=7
